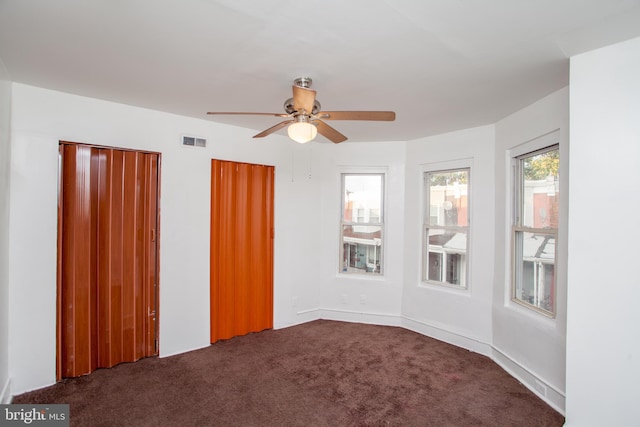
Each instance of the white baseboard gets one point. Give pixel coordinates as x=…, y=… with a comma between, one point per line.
x=301, y=317
x=5, y=395
x=542, y=388
x=360, y=317
x=441, y=333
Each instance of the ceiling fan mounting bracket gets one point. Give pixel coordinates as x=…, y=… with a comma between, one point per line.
x=303, y=82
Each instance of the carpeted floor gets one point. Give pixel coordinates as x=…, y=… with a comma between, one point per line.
x=322, y=373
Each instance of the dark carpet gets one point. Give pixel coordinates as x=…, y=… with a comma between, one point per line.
x=322, y=373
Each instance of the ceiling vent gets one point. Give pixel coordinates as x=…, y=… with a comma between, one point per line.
x=193, y=141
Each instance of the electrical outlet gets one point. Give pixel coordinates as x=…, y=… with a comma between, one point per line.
x=541, y=388
x=344, y=298
x=363, y=299
x=294, y=302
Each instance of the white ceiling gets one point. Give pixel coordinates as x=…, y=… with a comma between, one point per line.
x=441, y=65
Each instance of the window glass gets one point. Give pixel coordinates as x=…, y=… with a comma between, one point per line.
x=448, y=197
x=540, y=190
x=446, y=227
x=361, y=231
x=535, y=229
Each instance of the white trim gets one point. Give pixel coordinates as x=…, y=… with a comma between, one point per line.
x=182, y=351
x=511, y=155
x=304, y=316
x=364, y=170
x=360, y=317
x=355, y=169
x=538, y=143
x=5, y=395
x=371, y=278
x=456, y=164
x=446, y=287
x=554, y=397
x=442, y=333
x=466, y=162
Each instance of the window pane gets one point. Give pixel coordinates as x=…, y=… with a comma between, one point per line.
x=540, y=193
x=362, y=198
x=536, y=269
x=374, y=216
x=361, y=248
x=455, y=263
x=447, y=256
x=435, y=266
x=448, y=202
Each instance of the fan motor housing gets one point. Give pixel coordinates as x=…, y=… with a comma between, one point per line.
x=288, y=107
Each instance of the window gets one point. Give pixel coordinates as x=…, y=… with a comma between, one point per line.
x=535, y=228
x=446, y=227
x=361, y=224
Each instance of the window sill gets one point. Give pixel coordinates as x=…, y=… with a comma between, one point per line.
x=360, y=276
x=442, y=287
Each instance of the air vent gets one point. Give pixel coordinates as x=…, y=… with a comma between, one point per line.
x=193, y=141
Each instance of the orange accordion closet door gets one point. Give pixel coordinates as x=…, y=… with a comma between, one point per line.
x=241, y=248
x=107, y=257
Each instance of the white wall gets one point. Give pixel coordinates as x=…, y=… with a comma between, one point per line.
x=461, y=317
x=297, y=255
x=40, y=119
x=600, y=325
x=603, y=323
x=373, y=299
x=307, y=202
x=530, y=344
x=5, y=153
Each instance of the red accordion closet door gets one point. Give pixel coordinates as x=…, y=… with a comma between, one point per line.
x=107, y=257
x=241, y=248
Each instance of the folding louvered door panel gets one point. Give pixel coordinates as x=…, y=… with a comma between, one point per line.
x=241, y=248
x=107, y=258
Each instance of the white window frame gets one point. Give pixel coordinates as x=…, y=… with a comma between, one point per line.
x=443, y=167
x=382, y=214
x=540, y=145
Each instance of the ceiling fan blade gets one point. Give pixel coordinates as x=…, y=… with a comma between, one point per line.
x=328, y=132
x=273, y=129
x=303, y=99
x=385, y=116
x=252, y=114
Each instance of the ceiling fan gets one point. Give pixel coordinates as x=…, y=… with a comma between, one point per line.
x=306, y=119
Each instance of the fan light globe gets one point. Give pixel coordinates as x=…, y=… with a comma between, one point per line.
x=302, y=132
